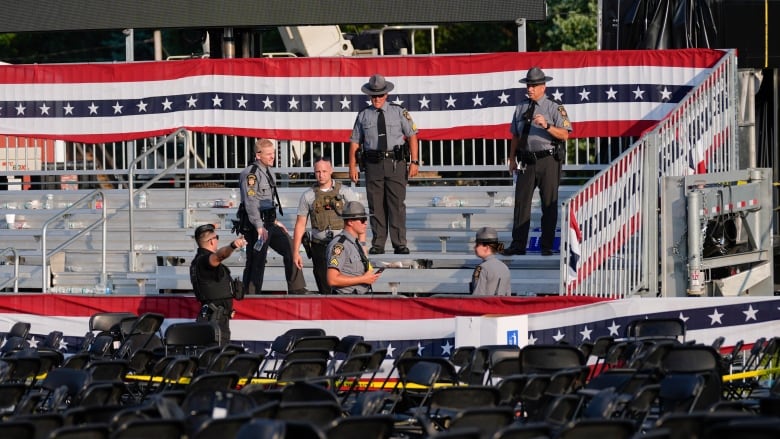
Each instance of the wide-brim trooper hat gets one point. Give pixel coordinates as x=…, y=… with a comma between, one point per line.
x=354, y=210
x=535, y=76
x=487, y=235
x=377, y=86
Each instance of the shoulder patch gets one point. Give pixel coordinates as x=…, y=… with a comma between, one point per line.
x=565, y=116
x=477, y=272
x=334, y=262
x=337, y=249
x=251, y=182
x=409, y=118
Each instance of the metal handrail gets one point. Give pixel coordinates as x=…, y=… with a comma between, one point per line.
x=102, y=221
x=132, y=191
x=15, y=278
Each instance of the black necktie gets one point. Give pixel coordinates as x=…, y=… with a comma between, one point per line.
x=528, y=117
x=381, y=129
x=276, y=194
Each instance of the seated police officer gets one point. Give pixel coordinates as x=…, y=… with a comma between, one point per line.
x=349, y=271
x=491, y=277
x=211, y=280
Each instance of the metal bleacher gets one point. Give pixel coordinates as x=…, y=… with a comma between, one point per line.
x=440, y=237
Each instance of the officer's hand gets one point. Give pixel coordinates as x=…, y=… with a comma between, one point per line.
x=298, y=260
x=413, y=170
x=540, y=121
x=262, y=233
x=512, y=165
x=370, y=277
x=354, y=174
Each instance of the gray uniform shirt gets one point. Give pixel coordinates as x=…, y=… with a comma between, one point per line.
x=491, y=278
x=343, y=255
x=307, y=201
x=256, y=192
x=397, y=121
x=540, y=139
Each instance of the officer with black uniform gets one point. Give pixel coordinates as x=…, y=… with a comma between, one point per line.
x=211, y=280
x=388, y=138
x=261, y=200
x=349, y=271
x=540, y=127
x=322, y=203
x=491, y=277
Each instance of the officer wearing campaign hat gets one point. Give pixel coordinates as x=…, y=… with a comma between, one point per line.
x=387, y=139
x=349, y=271
x=540, y=127
x=491, y=277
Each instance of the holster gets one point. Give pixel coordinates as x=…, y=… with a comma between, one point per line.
x=360, y=159
x=306, y=242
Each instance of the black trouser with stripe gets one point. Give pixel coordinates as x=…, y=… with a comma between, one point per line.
x=546, y=175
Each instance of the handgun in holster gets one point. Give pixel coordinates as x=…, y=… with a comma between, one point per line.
x=306, y=242
x=360, y=159
x=205, y=312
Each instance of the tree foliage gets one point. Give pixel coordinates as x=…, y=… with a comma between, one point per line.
x=571, y=25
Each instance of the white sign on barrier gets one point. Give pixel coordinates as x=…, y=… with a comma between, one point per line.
x=491, y=330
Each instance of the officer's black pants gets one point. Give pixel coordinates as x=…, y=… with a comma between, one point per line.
x=254, y=270
x=546, y=175
x=320, y=262
x=386, y=193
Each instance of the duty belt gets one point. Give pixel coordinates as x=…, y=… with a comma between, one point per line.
x=542, y=154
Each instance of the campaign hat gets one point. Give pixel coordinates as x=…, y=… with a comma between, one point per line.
x=535, y=76
x=486, y=235
x=354, y=210
x=377, y=85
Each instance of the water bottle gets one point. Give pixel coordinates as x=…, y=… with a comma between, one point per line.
x=142, y=200
x=259, y=244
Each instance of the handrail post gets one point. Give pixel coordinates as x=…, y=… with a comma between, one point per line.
x=131, y=191
x=45, y=279
x=16, y=268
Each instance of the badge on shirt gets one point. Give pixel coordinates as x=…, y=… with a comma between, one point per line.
x=251, y=181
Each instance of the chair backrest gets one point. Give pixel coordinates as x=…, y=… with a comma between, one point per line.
x=672, y=327
x=19, y=329
x=108, y=321
x=189, y=337
x=550, y=358
x=327, y=342
x=361, y=427
x=301, y=370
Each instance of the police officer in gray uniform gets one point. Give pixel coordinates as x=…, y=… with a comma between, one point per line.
x=491, y=277
x=259, y=197
x=540, y=128
x=349, y=271
x=323, y=204
x=384, y=130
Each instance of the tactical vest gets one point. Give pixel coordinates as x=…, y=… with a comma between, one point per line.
x=326, y=208
x=207, y=290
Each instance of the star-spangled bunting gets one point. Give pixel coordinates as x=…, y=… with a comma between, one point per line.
x=606, y=94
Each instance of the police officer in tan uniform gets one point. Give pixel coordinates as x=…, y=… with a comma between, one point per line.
x=322, y=203
x=349, y=271
x=259, y=197
x=491, y=277
x=384, y=130
x=540, y=128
